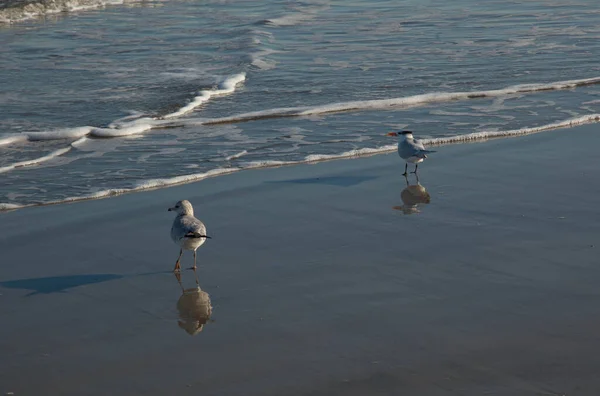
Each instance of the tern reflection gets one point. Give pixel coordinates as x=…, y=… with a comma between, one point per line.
x=412, y=196
x=193, y=307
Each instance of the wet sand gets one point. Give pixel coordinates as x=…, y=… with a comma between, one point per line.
x=322, y=281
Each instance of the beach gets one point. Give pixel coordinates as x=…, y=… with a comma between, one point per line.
x=322, y=280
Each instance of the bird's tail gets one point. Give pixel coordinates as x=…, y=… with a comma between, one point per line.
x=423, y=153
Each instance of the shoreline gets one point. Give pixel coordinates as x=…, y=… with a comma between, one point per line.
x=317, y=284
x=160, y=183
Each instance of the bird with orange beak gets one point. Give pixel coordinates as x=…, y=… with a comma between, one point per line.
x=410, y=149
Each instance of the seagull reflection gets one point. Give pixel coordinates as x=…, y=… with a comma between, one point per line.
x=412, y=196
x=193, y=307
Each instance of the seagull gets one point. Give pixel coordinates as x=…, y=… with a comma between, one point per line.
x=187, y=231
x=410, y=149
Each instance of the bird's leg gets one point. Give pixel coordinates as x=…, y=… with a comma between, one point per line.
x=196, y=275
x=406, y=178
x=416, y=166
x=405, y=169
x=177, y=264
x=194, y=267
x=178, y=277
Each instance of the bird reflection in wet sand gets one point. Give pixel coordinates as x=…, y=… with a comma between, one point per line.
x=412, y=196
x=193, y=307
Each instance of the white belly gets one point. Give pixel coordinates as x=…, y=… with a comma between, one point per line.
x=414, y=160
x=191, y=243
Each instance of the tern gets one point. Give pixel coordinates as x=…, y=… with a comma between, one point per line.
x=410, y=149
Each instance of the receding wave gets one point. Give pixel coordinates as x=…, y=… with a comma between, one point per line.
x=125, y=126
x=47, y=157
x=16, y=11
x=35, y=161
x=182, y=179
x=382, y=104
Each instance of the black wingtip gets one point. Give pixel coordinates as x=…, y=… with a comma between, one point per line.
x=196, y=235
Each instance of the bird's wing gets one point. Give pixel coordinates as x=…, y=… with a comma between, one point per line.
x=407, y=149
x=418, y=144
x=417, y=148
x=187, y=226
x=192, y=227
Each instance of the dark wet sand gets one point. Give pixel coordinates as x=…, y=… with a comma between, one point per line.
x=318, y=285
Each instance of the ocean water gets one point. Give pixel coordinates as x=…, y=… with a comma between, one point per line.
x=103, y=97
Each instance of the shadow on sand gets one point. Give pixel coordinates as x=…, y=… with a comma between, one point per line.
x=61, y=284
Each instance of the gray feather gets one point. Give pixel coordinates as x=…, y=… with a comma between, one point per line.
x=185, y=226
x=412, y=148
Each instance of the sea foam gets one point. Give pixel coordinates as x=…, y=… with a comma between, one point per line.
x=35, y=161
x=401, y=102
x=129, y=125
x=227, y=86
x=313, y=158
x=35, y=9
x=45, y=158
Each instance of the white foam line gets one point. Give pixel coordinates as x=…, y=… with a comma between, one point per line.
x=10, y=206
x=408, y=101
x=66, y=133
x=236, y=156
x=138, y=126
x=35, y=161
x=125, y=129
x=47, y=157
x=168, y=182
x=125, y=126
x=571, y=122
x=140, y=186
x=13, y=139
x=226, y=87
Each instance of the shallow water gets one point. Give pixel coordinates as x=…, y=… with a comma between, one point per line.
x=151, y=93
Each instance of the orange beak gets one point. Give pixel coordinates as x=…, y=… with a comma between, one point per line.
x=392, y=134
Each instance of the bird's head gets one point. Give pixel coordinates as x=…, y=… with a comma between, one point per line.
x=401, y=133
x=183, y=208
